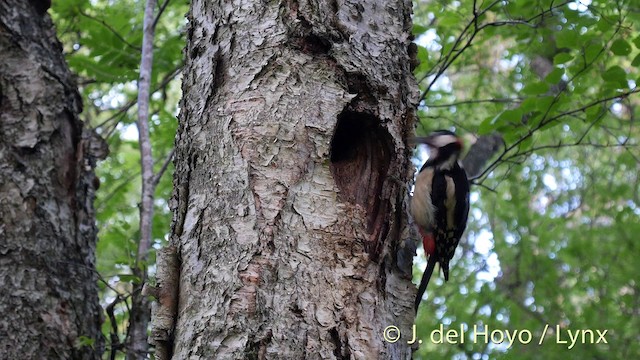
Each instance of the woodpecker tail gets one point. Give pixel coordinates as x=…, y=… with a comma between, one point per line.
x=426, y=276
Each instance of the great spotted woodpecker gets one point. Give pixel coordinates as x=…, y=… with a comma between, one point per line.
x=440, y=203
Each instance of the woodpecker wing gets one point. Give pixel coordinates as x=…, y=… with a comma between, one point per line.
x=461, y=182
x=450, y=196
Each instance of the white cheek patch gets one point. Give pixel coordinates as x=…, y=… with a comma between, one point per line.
x=444, y=140
x=422, y=208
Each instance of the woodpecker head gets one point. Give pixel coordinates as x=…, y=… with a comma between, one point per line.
x=444, y=148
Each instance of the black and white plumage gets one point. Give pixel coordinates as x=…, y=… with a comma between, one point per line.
x=440, y=203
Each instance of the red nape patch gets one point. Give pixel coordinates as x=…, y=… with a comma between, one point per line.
x=428, y=243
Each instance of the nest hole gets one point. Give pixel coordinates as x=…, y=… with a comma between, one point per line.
x=361, y=150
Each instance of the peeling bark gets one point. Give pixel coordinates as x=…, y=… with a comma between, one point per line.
x=288, y=213
x=165, y=308
x=49, y=301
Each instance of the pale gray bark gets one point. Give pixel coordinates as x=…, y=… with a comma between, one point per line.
x=293, y=242
x=49, y=303
x=137, y=346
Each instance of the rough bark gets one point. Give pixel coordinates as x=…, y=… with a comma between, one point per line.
x=291, y=168
x=49, y=302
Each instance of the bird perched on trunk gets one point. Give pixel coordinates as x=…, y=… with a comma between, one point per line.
x=440, y=203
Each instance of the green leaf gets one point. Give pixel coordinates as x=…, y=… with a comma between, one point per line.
x=418, y=30
x=562, y=58
x=617, y=75
x=620, y=48
x=566, y=38
x=549, y=124
x=82, y=341
x=423, y=59
x=526, y=144
x=636, y=61
x=554, y=76
x=535, y=88
x=529, y=104
x=487, y=125
x=511, y=116
x=594, y=112
x=129, y=278
x=605, y=24
x=511, y=135
x=591, y=52
x=636, y=42
x=542, y=104
x=499, y=121
x=449, y=20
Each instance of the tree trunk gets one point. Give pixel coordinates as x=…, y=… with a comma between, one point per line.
x=49, y=302
x=291, y=173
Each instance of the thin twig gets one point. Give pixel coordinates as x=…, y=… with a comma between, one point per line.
x=476, y=101
x=454, y=52
x=172, y=75
x=502, y=156
x=163, y=7
x=164, y=167
x=113, y=31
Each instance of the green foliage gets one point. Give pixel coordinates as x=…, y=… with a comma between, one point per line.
x=102, y=42
x=551, y=231
x=83, y=341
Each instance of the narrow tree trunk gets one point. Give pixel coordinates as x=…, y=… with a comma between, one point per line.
x=49, y=302
x=291, y=171
x=137, y=343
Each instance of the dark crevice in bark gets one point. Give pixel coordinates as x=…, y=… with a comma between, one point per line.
x=335, y=7
x=381, y=279
x=315, y=45
x=218, y=77
x=41, y=6
x=361, y=151
x=257, y=348
x=195, y=52
x=305, y=37
x=341, y=351
x=70, y=135
x=218, y=74
x=358, y=83
x=412, y=51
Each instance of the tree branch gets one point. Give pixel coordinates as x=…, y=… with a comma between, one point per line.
x=454, y=53
x=113, y=31
x=167, y=79
x=163, y=169
x=163, y=7
x=477, y=101
x=544, y=122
